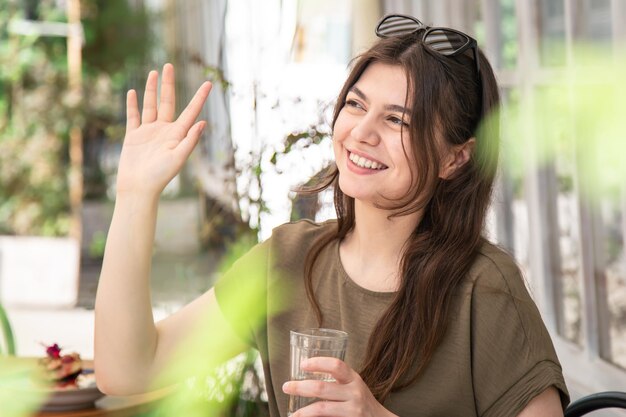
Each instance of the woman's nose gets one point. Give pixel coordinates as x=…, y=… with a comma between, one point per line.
x=366, y=130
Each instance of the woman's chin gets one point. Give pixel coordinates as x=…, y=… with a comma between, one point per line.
x=368, y=196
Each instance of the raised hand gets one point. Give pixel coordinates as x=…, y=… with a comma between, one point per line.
x=348, y=396
x=156, y=146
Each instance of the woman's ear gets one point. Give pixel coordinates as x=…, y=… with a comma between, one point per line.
x=456, y=156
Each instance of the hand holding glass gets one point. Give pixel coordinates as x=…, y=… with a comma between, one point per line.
x=311, y=343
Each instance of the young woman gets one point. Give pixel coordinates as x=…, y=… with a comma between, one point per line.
x=439, y=320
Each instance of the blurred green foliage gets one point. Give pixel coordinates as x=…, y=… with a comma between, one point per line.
x=576, y=117
x=36, y=113
x=210, y=380
x=17, y=396
x=97, y=245
x=117, y=38
x=37, y=110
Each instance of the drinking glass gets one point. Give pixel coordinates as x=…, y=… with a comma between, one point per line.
x=309, y=343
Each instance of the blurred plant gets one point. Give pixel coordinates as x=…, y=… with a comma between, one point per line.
x=7, y=339
x=117, y=36
x=262, y=158
x=97, y=245
x=300, y=142
x=214, y=73
x=37, y=111
x=17, y=396
x=210, y=382
x=232, y=389
x=118, y=44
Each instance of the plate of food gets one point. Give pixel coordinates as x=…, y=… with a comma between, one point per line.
x=66, y=382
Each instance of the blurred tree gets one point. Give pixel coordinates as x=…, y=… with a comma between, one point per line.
x=37, y=111
x=117, y=47
x=117, y=37
x=35, y=115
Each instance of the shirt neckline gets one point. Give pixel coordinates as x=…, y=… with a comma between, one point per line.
x=349, y=281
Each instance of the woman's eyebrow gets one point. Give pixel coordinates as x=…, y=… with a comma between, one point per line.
x=399, y=109
x=358, y=92
x=392, y=107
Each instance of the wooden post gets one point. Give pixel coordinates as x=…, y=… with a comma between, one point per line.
x=74, y=61
x=364, y=21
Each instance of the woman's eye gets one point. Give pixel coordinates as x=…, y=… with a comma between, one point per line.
x=398, y=121
x=354, y=104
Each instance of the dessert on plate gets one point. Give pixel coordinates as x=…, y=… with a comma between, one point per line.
x=60, y=370
x=63, y=382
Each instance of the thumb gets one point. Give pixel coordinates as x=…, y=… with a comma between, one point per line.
x=186, y=146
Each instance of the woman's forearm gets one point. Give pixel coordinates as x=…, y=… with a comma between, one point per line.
x=125, y=334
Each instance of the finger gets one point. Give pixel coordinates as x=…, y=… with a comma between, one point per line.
x=330, y=391
x=323, y=409
x=149, y=112
x=132, y=111
x=336, y=367
x=191, y=112
x=167, y=102
x=186, y=146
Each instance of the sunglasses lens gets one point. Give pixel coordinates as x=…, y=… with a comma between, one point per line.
x=396, y=26
x=446, y=42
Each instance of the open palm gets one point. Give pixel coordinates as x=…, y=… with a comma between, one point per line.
x=156, y=146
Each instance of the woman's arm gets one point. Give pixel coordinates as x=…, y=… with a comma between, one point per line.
x=129, y=349
x=546, y=404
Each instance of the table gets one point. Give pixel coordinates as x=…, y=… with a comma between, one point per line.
x=113, y=407
x=107, y=406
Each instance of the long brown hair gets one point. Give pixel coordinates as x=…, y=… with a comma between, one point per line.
x=451, y=104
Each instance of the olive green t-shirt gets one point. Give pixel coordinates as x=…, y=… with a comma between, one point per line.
x=495, y=357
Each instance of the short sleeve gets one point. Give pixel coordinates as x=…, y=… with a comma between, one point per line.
x=513, y=359
x=241, y=293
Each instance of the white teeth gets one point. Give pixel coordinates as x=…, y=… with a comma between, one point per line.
x=364, y=162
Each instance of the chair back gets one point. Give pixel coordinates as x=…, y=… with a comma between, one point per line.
x=593, y=402
x=7, y=341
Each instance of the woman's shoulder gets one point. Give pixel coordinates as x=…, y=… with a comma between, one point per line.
x=292, y=241
x=513, y=358
x=495, y=268
x=301, y=231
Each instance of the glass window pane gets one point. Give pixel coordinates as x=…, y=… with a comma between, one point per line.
x=569, y=247
x=592, y=22
x=592, y=30
x=497, y=28
x=509, y=34
x=612, y=223
x=551, y=32
x=557, y=151
x=512, y=162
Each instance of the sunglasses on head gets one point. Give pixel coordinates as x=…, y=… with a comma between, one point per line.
x=444, y=41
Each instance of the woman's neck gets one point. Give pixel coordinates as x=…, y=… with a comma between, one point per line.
x=372, y=251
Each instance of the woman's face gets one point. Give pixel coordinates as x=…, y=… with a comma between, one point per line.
x=369, y=133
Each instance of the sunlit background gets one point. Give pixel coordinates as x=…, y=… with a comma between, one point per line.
x=277, y=66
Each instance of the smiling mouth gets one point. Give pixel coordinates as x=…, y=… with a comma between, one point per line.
x=365, y=163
